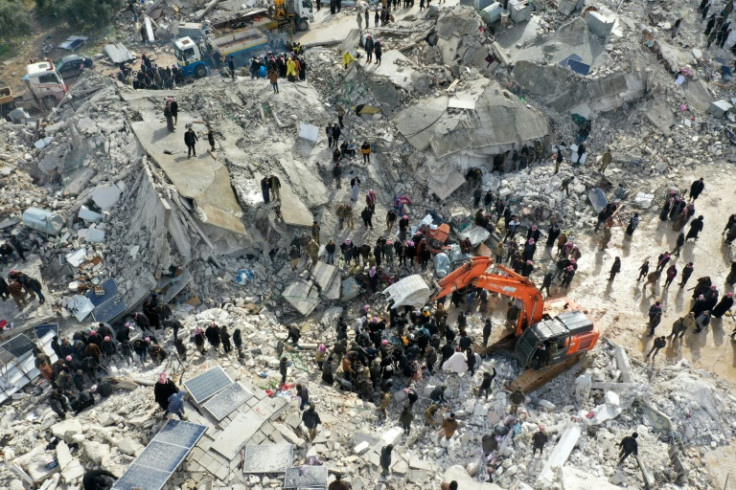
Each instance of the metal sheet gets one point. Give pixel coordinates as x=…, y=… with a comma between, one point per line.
x=42, y=330
x=163, y=455
x=16, y=372
x=73, y=42
x=18, y=345
x=207, y=384
x=597, y=199
x=109, y=310
x=111, y=289
x=268, y=458
x=227, y=401
x=138, y=476
x=180, y=433
x=118, y=53
x=578, y=67
x=306, y=477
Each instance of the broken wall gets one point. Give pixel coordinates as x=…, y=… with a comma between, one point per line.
x=562, y=89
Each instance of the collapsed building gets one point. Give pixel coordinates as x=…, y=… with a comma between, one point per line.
x=132, y=214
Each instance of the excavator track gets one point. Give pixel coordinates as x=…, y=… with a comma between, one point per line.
x=532, y=379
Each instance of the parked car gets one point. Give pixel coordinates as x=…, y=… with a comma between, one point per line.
x=72, y=65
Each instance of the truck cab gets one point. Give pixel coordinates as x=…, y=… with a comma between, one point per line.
x=304, y=13
x=554, y=340
x=189, y=58
x=45, y=83
x=298, y=13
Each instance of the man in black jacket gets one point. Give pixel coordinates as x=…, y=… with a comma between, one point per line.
x=311, y=421
x=190, y=139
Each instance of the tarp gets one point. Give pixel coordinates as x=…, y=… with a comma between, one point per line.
x=456, y=363
x=411, y=291
x=79, y=306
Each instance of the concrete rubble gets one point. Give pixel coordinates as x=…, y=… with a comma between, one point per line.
x=105, y=202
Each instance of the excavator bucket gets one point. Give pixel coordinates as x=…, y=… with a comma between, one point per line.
x=532, y=379
x=505, y=344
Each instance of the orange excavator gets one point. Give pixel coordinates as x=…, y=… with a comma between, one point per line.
x=549, y=336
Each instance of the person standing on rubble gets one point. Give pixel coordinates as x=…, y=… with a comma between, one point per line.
x=379, y=51
x=212, y=332
x=18, y=294
x=659, y=344
x=682, y=325
x=283, y=369
x=605, y=160
x=385, y=459
x=311, y=421
x=336, y=134
x=628, y=446
x=566, y=184
x=670, y=274
x=211, y=138
x=169, y=117
x=696, y=188
x=558, y=158
x=273, y=77
x=359, y=19
x=275, y=187
x=615, y=269
x=266, y=188
x=190, y=139
x=225, y=339
x=655, y=316
x=406, y=418
x=643, y=270
x=539, y=439
x=231, y=67
x=365, y=149
x=369, y=46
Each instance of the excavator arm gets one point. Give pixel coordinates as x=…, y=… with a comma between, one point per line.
x=476, y=273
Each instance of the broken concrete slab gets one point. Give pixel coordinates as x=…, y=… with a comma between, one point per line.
x=443, y=185
x=719, y=108
x=293, y=209
x=397, y=68
x=559, y=454
x=66, y=429
x=661, y=116
x=599, y=24
x=88, y=215
x=92, y=235
x=500, y=122
x=268, y=458
x=238, y=433
x=309, y=132
x=465, y=481
x=105, y=196
x=571, y=477
x=203, y=179
x=417, y=121
x=302, y=295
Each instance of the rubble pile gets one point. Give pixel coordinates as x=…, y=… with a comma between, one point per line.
x=102, y=192
x=607, y=401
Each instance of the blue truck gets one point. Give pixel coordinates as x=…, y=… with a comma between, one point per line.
x=243, y=37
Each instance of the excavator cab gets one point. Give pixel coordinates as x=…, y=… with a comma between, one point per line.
x=554, y=340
